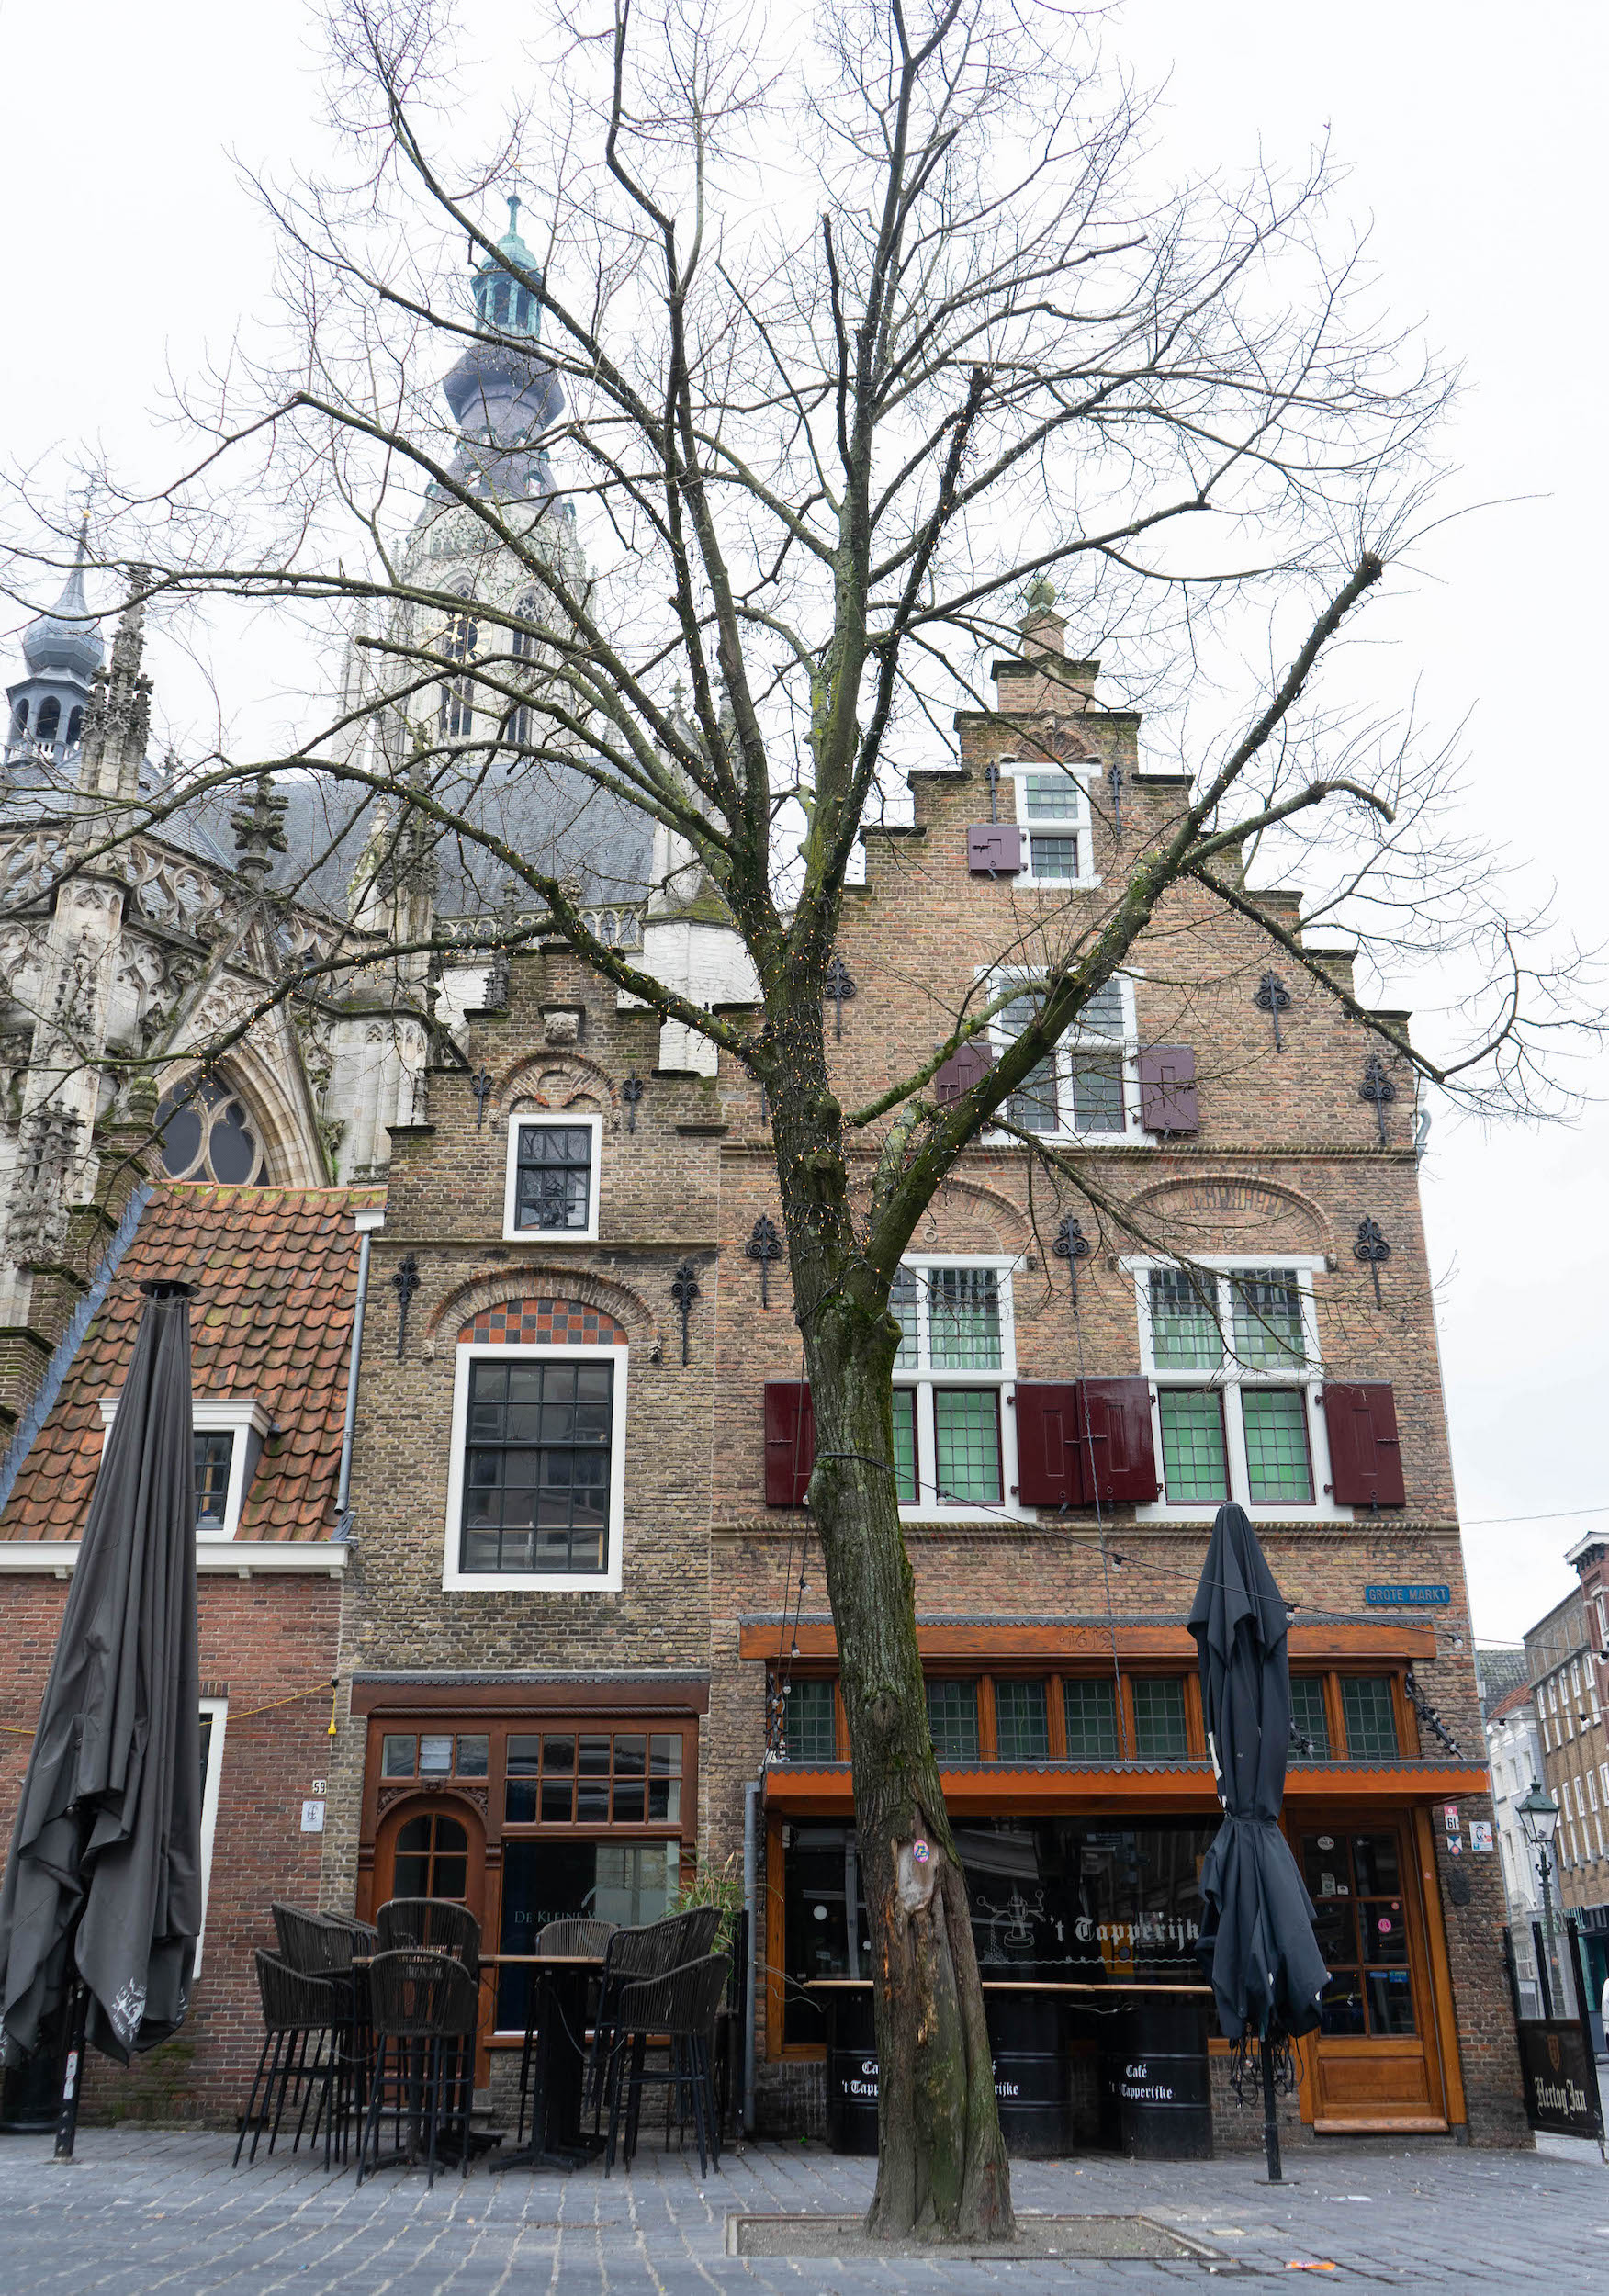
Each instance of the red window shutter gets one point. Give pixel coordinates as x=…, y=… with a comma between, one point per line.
x=1167, y=1088
x=1049, y=1465
x=790, y=1442
x=1365, y=1458
x=993, y=848
x=962, y=1071
x=1114, y=1429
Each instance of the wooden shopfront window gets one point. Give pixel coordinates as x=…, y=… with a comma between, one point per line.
x=568, y=1812
x=1017, y=1718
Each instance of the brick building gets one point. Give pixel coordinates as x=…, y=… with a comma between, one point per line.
x=1566, y=1651
x=582, y=1578
x=275, y=1271
x=1514, y=1754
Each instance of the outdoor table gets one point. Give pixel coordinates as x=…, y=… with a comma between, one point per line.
x=557, y=2015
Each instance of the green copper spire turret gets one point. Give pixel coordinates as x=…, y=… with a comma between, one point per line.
x=501, y=301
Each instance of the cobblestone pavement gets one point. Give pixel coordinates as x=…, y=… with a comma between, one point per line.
x=147, y=2213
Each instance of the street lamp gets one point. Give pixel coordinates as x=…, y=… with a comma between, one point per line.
x=1538, y=1816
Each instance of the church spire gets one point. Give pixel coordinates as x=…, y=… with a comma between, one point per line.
x=116, y=725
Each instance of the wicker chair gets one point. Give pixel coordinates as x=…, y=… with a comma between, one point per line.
x=680, y=2008
x=430, y=1925
x=301, y=2014
x=633, y=1954
x=424, y=2010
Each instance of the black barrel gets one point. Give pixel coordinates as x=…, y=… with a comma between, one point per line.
x=1034, y=2074
x=30, y=2095
x=852, y=2070
x=1161, y=2079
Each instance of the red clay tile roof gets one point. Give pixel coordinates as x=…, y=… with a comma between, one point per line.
x=1511, y=1702
x=276, y=1276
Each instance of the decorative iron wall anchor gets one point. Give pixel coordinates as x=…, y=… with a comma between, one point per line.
x=480, y=1085
x=404, y=1283
x=1372, y=1248
x=765, y=1245
x=992, y=775
x=1273, y=998
x=631, y=1092
x=1114, y=784
x=1071, y=1244
x=840, y=986
x=685, y=1290
x=1376, y=1086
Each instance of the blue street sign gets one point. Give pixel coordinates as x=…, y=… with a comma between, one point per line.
x=1396, y=1597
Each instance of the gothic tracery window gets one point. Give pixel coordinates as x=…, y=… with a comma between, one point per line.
x=207, y=1133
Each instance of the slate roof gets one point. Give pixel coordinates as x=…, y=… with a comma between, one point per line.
x=276, y=1272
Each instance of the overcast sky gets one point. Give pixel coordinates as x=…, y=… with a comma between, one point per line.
x=1474, y=136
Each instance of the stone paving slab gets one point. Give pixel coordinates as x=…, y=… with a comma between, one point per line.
x=152, y=2214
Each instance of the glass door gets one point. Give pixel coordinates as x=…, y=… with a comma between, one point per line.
x=1373, y=2062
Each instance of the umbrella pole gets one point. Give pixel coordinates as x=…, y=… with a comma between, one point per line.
x=1270, y=2114
x=71, y=2070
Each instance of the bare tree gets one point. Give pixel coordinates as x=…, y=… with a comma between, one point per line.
x=860, y=338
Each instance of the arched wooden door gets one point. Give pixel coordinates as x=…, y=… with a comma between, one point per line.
x=432, y=1846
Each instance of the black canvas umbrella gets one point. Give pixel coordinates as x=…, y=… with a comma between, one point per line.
x=101, y=1906
x=1257, y=1944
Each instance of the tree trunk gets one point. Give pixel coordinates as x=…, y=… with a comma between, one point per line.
x=941, y=2168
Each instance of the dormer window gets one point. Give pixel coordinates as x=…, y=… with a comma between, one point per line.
x=228, y=1435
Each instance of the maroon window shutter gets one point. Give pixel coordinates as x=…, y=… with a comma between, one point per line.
x=1167, y=1088
x=993, y=848
x=1365, y=1458
x=1049, y=1466
x=1114, y=1429
x=962, y=1071
x=790, y=1442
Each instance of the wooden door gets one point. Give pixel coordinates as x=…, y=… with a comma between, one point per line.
x=1375, y=2063
x=433, y=1846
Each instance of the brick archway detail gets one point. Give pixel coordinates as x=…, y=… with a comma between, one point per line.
x=1232, y=1193
x=494, y=1287
x=531, y=1321
x=991, y=1204
x=580, y=1074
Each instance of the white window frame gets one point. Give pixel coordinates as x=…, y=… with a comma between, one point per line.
x=924, y=1378
x=218, y=1710
x=605, y=1581
x=553, y=1120
x=240, y=1416
x=1229, y=1378
x=1126, y=1046
x=1078, y=821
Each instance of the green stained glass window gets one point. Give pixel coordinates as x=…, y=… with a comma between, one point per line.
x=964, y=1307
x=1091, y=1709
x=1307, y=1715
x=1370, y=1716
x=1267, y=1320
x=905, y=1446
x=1023, y=1725
x=1159, y=1719
x=1184, y=1324
x=1277, y=1466
x=952, y=1716
x=966, y=1427
x=809, y=1730
x=1194, y=1468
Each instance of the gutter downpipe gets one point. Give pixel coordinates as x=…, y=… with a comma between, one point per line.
x=366, y=1222
x=751, y=1900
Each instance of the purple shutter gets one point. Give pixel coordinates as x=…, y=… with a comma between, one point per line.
x=993, y=848
x=962, y=1071
x=1048, y=1468
x=1365, y=1458
x=1167, y=1088
x=790, y=1442
x=1115, y=1432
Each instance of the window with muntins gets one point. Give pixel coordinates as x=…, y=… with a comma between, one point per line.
x=1231, y=1353
x=1091, y=1709
x=1160, y=1732
x=1085, y=1086
x=537, y=1466
x=809, y=1723
x=1371, y=1717
x=1310, y=1725
x=552, y=1178
x=214, y=1456
x=952, y=1718
x=1022, y=1722
x=1052, y=809
x=954, y=1358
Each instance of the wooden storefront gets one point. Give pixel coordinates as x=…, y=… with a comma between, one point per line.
x=1077, y=1776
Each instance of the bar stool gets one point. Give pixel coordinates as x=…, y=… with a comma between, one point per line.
x=424, y=2010
x=632, y=1954
x=430, y=1925
x=680, y=2008
x=299, y=2011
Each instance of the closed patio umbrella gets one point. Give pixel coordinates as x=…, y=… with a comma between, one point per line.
x=100, y=1905
x=1257, y=1944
